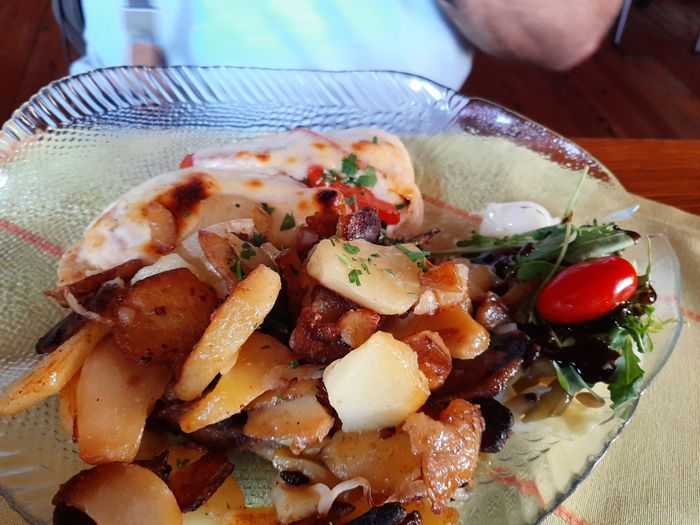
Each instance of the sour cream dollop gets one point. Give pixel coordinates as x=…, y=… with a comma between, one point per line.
x=501, y=219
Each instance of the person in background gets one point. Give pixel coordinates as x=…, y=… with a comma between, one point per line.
x=430, y=38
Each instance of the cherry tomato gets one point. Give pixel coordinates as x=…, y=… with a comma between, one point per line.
x=364, y=196
x=587, y=290
x=187, y=161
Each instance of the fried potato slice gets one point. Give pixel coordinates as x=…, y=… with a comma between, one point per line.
x=52, y=373
x=463, y=336
x=297, y=423
x=386, y=462
x=161, y=317
x=68, y=404
x=232, y=324
x=119, y=493
x=114, y=397
x=255, y=372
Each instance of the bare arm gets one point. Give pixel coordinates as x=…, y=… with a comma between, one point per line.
x=554, y=34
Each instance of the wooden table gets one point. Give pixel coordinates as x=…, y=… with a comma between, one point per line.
x=667, y=171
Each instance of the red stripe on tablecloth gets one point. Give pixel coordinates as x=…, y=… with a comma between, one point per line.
x=693, y=316
x=31, y=238
x=569, y=517
x=528, y=487
x=449, y=207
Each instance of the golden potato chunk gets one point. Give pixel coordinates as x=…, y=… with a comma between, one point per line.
x=232, y=324
x=256, y=371
x=53, y=372
x=160, y=317
x=377, y=385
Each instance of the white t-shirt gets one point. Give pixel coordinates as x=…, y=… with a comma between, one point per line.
x=401, y=35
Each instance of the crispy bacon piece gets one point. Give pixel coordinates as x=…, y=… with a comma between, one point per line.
x=195, y=483
x=158, y=465
x=356, y=326
x=223, y=436
x=484, y=376
x=324, y=223
x=492, y=312
x=161, y=317
x=448, y=282
x=317, y=336
x=434, y=359
x=362, y=224
x=449, y=448
x=294, y=277
x=87, y=286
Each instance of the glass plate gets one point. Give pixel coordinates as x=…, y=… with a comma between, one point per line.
x=82, y=141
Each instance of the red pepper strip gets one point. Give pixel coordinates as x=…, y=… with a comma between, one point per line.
x=364, y=196
x=187, y=161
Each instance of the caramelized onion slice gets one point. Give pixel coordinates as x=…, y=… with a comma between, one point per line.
x=118, y=493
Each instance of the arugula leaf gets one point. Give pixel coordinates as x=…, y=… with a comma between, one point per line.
x=569, y=379
x=531, y=269
x=628, y=375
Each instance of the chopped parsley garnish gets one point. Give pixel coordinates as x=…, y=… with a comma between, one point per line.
x=181, y=462
x=293, y=364
x=418, y=257
x=350, y=248
x=288, y=222
x=400, y=206
x=268, y=209
x=351, y=174
x=186, y=214
x=349, y=165
x=236, y=268
x=368, y=179
x=375, y=140
x=344, y=259
x=258, y=239
x=247, y=252
x=390, y=272
x=354, y=277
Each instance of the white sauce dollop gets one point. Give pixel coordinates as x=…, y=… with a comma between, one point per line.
x=501, y=219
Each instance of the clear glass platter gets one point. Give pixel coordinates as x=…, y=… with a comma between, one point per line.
x=82, y=141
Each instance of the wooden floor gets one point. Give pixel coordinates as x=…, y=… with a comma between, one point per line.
x=649, y=87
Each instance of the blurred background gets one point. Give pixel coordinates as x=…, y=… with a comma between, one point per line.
x=648, y=86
